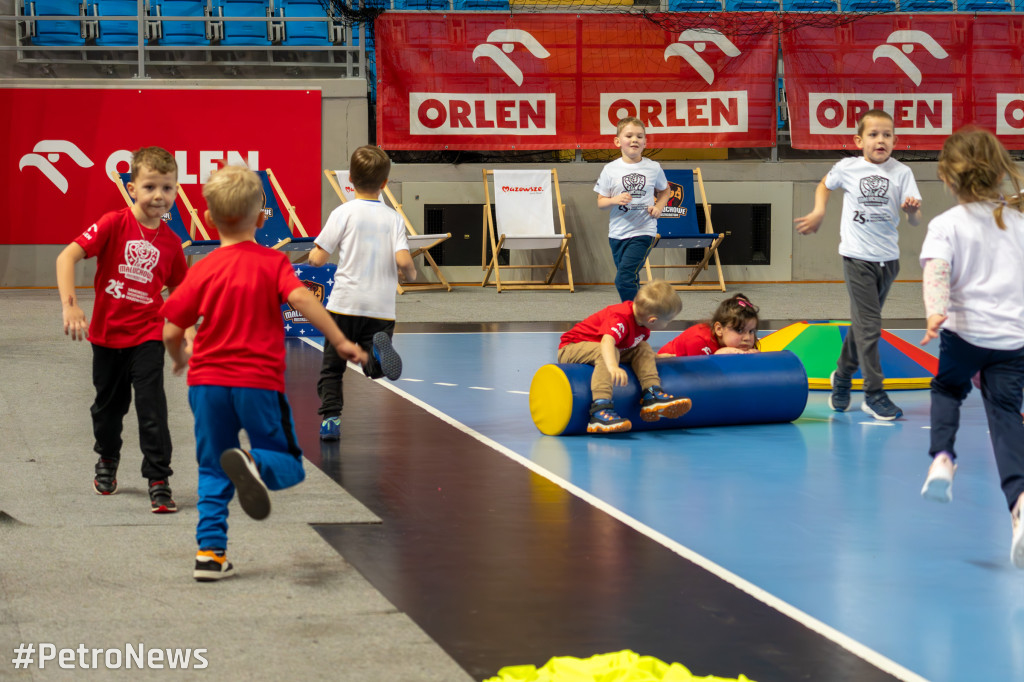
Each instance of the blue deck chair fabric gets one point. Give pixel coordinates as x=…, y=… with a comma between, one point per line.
x=304, y=32
x=275, y=232
x=926, y=6
x=984, y=6
x=191, y=247
x=694, y=5
x=57, y=31
x=319, y=281
x=182, y=32
x=752, y=6
x=809, y=6
x=248, y=33
x=116, y=31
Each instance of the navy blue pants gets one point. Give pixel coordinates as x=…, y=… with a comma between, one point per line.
x=629, y=256
x=1002, y=383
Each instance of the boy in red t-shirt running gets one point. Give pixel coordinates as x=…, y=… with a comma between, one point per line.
x=137, y=254
x=617, y=334
x=237, y=362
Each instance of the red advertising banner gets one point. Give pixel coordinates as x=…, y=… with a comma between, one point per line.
x=932, y=73
x=63, y=143
x=561, y=81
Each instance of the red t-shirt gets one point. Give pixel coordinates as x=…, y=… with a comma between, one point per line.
x=616, y=320
x=132, y=266
x=697, y=340
x=237, y=290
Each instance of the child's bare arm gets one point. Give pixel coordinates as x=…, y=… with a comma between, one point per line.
x=318, y=256
x=174, y=342
x=75, y=324
x=306, y=303
x=810, y=223
x=660, y=202
x=622, y=199
x=406, y=265
x=610, y=357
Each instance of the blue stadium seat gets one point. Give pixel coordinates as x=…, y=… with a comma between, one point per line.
x=247, y=33
x=481, y=5
x=694, y=6
x=926, y=6
x=752, y=5
x=809, y=6
x=984, y=6
x=59, y=31
x=182, y=32
x=304, y=32
x=116, y=32
x=402, y=5
x=876, y=6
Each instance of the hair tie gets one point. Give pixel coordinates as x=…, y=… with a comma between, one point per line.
x=741, y=302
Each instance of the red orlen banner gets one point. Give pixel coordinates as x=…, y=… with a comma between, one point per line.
x=561, y=81
x=932, y=73
x=62, y=145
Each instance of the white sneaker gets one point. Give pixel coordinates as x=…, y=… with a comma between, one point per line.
x=938, y=486
x=1017, y=546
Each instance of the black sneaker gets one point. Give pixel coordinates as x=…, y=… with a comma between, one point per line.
x=656, y=404
x=880, y=407
x=388, y=360
x=211, y=565
x=252, y=491
x=160, y=498
x=840, y=398
x=105, y=482
x=604, y=419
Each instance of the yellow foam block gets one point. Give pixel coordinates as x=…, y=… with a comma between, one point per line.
x=621, y=666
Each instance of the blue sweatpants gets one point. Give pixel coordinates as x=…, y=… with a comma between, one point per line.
x=220, y=412
x=629, y=256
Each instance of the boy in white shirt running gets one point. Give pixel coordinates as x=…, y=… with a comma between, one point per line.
x=372, y=246
x=877, y=187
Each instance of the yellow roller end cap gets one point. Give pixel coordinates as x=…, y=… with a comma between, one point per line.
x=551, y=400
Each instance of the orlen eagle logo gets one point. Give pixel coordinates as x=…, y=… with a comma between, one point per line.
x=508, y=38
x=53, y=149
x=900, y=42
x=700, y=38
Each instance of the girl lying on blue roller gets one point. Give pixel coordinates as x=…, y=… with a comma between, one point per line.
x=732, y=329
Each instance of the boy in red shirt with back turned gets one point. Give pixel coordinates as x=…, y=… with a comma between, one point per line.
x=237, y=363
x=619, y=333
x=137, y=254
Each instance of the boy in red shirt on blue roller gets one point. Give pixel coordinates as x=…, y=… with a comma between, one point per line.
x=237, y=362
x=617, y=334
x=137, y=254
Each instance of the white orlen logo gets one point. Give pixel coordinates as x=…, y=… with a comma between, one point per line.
x=700, y=38
x=508, y=39
x=53, y=149
x=900, y=42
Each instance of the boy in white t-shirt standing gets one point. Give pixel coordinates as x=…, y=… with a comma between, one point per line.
x=370, y=238
x=877, y=187
x=636, y=190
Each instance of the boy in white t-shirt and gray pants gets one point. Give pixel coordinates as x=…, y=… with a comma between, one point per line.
x=371, y=242
x=877, y=187
x=636, y=190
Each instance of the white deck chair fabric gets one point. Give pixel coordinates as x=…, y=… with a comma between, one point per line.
x=524, y=209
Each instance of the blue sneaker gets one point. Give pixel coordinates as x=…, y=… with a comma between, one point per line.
x=604, y=419
x=880, y=407
x=655, y=404
x=840, y=398
x=388, y=360
x=330, y=428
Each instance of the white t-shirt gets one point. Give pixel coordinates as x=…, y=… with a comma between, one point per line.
x=986, y=280
x=367, y=235
x=641, y=180
x=873, y=195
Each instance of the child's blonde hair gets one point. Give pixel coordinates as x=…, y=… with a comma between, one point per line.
x=369, y=168
x=734, y=313
x=974, y=164
x=872, y=113
x=657, y=298
x=156, y=159
x=628, y=120
x=234, y=196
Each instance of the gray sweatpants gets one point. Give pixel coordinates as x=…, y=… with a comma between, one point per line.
x=868, y=284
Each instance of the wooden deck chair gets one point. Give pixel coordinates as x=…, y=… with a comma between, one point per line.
x=524, y=219
x=678, y=229
x=276, y=232
x=419, y=244
x=195, y=240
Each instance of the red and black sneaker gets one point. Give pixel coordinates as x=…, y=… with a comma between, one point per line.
x=105, y=482
x=160, y=498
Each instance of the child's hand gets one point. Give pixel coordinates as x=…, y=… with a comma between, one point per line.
x=932, y=331
x=619, y=377
x=179, y=366
x=75, y=324
x=809, y=223
x=622, y=199
x=351, y=351
x=729, y=350
x=654, y=211
x=911, y=205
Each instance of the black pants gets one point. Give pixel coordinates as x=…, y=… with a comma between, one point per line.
x=115, y=372
x=359, y=330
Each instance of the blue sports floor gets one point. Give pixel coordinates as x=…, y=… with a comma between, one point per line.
x=820, y=519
